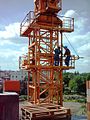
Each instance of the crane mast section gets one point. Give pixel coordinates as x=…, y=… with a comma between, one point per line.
x=44, y=29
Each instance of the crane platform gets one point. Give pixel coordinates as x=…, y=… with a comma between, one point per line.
x=31, y=22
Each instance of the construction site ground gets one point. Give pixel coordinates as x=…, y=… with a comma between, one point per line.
x=77, y=112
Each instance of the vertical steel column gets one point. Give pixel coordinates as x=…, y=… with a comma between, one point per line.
x=51, y=71
x=61, y=72
x=28, y=90
x=38, y=62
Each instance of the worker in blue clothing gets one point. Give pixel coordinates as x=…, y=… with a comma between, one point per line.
x=56, y=56
x=67, y=54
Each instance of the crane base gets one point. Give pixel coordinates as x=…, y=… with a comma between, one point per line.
x=45, y=112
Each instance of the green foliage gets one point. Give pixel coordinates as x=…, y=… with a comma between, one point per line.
x=74, y=98
x=82, y=100
x=75, y=82
x=82, y=110
x=66, y=79
x=73, y=85
x=26, y=78
x=88, y=77
x=22, y=97
x=67, y=91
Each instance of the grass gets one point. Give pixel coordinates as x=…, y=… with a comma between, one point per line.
x=78, y=99
x=74, y=98
x=22, y=97
x=82, y=110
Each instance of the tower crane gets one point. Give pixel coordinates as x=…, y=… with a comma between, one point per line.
x=44, y=30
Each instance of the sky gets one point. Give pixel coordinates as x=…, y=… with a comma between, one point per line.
x=12, y=12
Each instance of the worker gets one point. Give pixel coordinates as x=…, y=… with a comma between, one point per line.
x=56, y=56
x=52, y=1
x=67, y=54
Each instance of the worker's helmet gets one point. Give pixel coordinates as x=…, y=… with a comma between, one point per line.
x=65, y=47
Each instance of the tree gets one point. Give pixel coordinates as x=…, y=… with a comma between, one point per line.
x=73, y=85
x=66, y=79
x=88, y=77
x=75, y=82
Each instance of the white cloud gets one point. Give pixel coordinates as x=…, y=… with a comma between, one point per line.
x=11, y=35
x=5, y=42
x=9, y=58
x=11, y=46
x=79, y=21
x=24, y=49
x=83, y=65
x=10, y=31
x=13, y=52
x=9, y=63
x=6, y=53
x=84, y=50
x=70, y=13
x=80, y=40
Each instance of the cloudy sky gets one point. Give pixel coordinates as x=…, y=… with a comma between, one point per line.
x=12, y=45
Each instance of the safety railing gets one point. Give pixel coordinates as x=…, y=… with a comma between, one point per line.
x=67, y=23
x=26, y=60
x=26, y=22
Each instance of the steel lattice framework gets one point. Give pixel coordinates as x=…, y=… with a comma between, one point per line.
x=44, y=30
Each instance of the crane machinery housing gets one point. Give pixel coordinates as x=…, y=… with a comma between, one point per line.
x=44, y=30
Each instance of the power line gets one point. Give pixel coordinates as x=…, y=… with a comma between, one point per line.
x=71, y=45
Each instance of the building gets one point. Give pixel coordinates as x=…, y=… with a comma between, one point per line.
x=13, y=75
x=18, y=75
